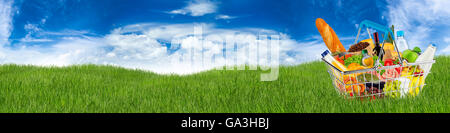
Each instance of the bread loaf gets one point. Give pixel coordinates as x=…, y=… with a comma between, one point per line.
x=329, y=36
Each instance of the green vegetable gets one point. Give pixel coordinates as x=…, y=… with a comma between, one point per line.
x=397, y=61
x=382, y=71
x=353, y=59
x=375, y=58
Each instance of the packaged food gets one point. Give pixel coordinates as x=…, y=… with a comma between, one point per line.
x=388, y=57
x=327, y=56
x=390, y=48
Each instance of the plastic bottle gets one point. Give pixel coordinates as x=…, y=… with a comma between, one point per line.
x=401, y=43
x=327, y=56
x=428, y=54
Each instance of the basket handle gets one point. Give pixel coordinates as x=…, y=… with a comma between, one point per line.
x=380, y=28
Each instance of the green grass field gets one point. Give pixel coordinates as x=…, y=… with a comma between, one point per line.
x=299, y=89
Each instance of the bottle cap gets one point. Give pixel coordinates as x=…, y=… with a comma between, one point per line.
x=364, y=51
x=434, y=45
x=325, y=53
x=400, y=33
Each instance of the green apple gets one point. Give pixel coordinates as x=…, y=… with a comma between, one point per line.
x=407, y=52
x=412, y=57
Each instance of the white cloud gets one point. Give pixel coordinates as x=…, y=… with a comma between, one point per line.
x=142, y=46
x=63, y=53
x=5, y=20
x=446, y=50
x=31, y=27
x=423, y=21
x=225, y=17
x=139, y=46
x=28, y=38
x=197, y=8
x=447, y=40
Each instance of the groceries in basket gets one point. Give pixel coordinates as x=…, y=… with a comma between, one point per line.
x=376, y=67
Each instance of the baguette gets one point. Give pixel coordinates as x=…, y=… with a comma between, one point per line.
x=329, y=36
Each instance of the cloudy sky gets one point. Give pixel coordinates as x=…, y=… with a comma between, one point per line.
x=138, y=33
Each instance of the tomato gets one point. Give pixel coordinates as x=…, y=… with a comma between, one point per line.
x=388, y=62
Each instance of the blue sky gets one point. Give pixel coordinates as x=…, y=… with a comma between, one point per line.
x=130, y=33
x=99, y=17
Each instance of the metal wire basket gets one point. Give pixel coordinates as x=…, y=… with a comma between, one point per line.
x=396, y=81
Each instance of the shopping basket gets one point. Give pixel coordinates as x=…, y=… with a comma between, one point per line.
x=367, y=83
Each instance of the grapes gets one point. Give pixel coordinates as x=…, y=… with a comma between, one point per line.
x=372, y=88
x=392, y=89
